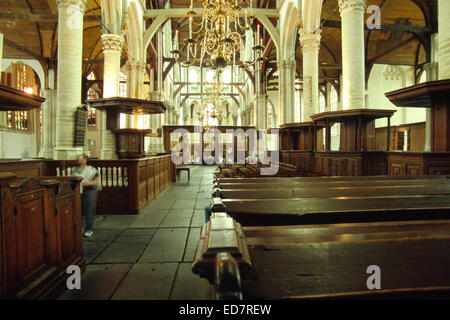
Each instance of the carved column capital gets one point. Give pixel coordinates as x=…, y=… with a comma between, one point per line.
x=310, y=40
x=287, y=64
x=348, y=5
x=112, y=42
x=79, y=4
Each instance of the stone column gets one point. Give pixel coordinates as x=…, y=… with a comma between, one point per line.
x=48, y=118
x=3, y=115
x=261, y=111
x=1, y=50
x=112, y=48
x=286, y=91
x=353, y=64
x=68, y=97
x=444, y=39
x=310, y=43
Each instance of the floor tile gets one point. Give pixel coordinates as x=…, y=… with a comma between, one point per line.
x=98, y=282
x=147, y=281
x=167, y=245
x=119, y=252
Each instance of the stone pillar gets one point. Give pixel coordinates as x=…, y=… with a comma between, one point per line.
x=444, y=39
x=48, y=118
x=68, y=98
x=310, y=43
x=112, y=48
x=286, y=91
x=3, y=115
x=1, y=50
x=353, y=63
x=261, y=111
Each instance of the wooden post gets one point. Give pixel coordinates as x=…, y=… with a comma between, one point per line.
x=389, y=134
x=315, y=137
x=328, y=136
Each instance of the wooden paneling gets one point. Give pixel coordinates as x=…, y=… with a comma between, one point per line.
x=351, y=163
x=23, y=168
x=419, y=163
x=41, y=235
x=304, y=160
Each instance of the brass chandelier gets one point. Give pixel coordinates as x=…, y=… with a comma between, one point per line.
x=219, y=36
x=211, y=101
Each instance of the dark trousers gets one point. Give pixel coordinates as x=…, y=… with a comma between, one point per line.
x=89, y=207
x=207, y=213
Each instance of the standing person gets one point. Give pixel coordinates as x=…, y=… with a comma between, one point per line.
x=89, y=190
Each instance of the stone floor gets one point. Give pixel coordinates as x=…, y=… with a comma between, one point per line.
x=149, y=256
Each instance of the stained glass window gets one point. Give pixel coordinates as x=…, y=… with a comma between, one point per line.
x=18, y=120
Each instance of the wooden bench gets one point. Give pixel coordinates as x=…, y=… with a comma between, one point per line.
x=187, y=169
x=331, y=261
x=325, y=261
x=324, y=200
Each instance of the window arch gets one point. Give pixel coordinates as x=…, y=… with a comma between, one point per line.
x=122, y=85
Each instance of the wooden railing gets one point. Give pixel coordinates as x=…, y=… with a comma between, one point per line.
x=128, y=186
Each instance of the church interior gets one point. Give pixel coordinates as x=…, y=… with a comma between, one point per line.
x=224, y=149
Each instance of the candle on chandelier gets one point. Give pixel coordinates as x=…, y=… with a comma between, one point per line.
x=251, y=4
x=190, y=27
x=261, y=41
x=245, y=17
x=258, y=26
x=228, y=24
x=176, y=39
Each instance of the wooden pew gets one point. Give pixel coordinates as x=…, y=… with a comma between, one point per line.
x=334, y=183
x=285, y=180
x=333, y=210
x=221, y=256
x=40, y=235
x=323, y=192
x=331, y=261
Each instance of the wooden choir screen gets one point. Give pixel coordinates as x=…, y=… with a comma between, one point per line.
x=128, y=186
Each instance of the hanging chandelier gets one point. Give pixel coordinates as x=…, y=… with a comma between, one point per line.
x=219, y=36
x=211, y=100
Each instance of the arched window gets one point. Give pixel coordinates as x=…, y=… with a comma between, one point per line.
x=322, y=104
x=227, y=76
x=21, y=120
x=91, y=76
x=334, y=107
x=91, y=94
x=123, y=85
x=333, y=99
x=269, y=114
x=210, y=75
x=193, y=75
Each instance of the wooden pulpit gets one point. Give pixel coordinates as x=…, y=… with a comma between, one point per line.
x=434, y=95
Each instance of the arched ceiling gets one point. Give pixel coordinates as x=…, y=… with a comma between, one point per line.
x=406, y=26
x=30, y=32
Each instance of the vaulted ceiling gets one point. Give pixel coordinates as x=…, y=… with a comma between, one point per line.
x=30, y=31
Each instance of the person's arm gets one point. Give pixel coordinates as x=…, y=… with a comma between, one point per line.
x=93, y=182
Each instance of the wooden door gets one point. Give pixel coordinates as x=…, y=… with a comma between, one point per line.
x=68, y=228
x=31, y=233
